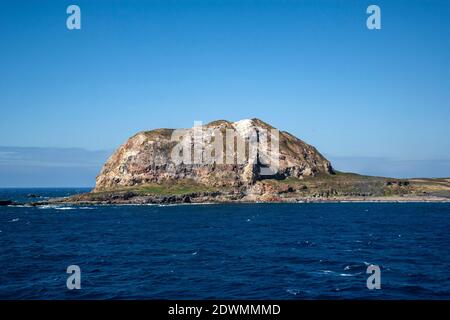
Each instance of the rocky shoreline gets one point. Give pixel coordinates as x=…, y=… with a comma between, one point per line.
x=218, y=198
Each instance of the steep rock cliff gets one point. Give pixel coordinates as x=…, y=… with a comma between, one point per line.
x=148, y=157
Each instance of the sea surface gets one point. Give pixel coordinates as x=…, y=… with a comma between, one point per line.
x=233, y=251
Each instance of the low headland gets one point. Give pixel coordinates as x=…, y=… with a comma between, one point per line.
x=340, y=187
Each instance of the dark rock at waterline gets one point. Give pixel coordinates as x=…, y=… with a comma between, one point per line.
x=6, y=202
x=32, y=195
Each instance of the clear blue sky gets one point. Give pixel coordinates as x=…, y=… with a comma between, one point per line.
x=309, y=67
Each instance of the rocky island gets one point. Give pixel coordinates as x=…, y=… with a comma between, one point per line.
x=143, y=171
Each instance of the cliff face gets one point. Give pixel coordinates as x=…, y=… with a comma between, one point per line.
x=148, y=158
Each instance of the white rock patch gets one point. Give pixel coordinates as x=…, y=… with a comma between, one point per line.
x=244, y=127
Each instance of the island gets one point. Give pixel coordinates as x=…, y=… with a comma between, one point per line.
x=143, y=171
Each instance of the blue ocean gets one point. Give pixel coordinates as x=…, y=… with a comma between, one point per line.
x=232, y=251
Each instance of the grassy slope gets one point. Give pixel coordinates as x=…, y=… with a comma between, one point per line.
x=181, y=187
x=351, y=184
x=324, y=185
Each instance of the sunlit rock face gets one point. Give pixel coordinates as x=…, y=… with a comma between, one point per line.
x=154, y=156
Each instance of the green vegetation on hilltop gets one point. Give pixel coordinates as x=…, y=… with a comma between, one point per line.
x=181, y=187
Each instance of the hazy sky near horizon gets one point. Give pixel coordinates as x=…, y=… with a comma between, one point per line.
x=308, y=67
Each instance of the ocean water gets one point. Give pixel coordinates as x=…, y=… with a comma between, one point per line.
x=235, y=251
